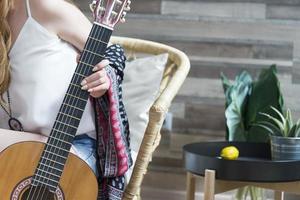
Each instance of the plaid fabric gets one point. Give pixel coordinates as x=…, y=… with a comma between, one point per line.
x=112, y=130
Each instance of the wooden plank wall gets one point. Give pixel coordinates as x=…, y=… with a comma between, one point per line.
x=219, y=36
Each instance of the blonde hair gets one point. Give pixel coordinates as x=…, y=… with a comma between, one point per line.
x=5, y=44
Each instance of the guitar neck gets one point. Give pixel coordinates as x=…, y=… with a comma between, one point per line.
x=67, y=121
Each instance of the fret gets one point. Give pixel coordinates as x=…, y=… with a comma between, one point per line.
x=49, y=165
x=78, y=102
x=62, y=120
x=43, y=171
x=65, y=124
x=75, y=85
x=81, y=75
x=73, y=107
x=101, y=56
x=70, y=116
x=77, y=91
x=63, y=132
x=71, y=111
x=59, y=170
x=58, y=144
x=57, y=155
x=81, y=62
x=59, y=139
x=76, y=97
x=92, y=54
x=50, y=159
x=55, y=162
x=65, y=129
x=95, y=39
x=61, y=149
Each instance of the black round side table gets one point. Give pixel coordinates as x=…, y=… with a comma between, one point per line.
x=253, y=167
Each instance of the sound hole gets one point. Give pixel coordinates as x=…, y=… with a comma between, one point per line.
x=38, y=193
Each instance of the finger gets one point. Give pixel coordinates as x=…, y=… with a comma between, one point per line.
x=98, y=94
x=98, y=88
x=77, y=57
x=101, y=65
x=94, y=83
x=93, y=77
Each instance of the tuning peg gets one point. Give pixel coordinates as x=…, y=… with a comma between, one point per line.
x=127, y=8
x=122, y=20
x=123, y=16
x=93, y=6
x=128, y=3
x=119, y=2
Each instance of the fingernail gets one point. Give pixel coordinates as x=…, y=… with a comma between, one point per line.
x=94, y=69
x=90, y=90
x=83, y=83
x=85, y=87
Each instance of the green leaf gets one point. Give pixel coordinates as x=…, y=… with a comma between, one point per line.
x=292, y=132
x=265, y=93
x=276, y=121
x=235, y=102
x=234, y=113
x=283, y=119
x=227, y=87
x=225, y=81
x=297, y=131
x=289, y=120
x=266, y=128
x=275, y=130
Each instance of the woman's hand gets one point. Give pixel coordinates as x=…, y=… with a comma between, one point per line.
x=97, y=83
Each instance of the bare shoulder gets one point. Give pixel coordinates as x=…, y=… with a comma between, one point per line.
x=62, y=18
x=47, y=10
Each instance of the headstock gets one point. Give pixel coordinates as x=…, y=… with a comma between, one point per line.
x=109, y=12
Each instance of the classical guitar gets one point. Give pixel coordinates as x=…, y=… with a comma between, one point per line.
x=48, y=171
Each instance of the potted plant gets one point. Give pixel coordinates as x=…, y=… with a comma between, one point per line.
x=284, y=135
x=245, y=98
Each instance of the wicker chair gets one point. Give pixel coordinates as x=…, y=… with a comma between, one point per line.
x=174, y=75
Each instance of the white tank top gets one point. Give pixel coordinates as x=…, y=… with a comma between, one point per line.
x=42, y=66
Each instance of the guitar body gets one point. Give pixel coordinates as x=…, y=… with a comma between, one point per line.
x=18, y=163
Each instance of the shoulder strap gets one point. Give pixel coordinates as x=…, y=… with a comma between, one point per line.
x=28, y=8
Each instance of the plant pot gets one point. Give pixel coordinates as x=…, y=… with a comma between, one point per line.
x=285, y=148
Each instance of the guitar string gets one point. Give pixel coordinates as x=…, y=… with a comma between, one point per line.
x=70, y=110
x=73, y=101
x=92, y=47
x=57, y=126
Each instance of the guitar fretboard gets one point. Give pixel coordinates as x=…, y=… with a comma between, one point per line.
x=57, y=149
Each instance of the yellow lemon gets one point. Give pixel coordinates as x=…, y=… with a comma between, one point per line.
x=230, y=153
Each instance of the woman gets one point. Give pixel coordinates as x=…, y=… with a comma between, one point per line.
x=39, y=43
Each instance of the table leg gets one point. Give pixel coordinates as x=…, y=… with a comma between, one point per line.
x=209, y=184
x=190, y=186
x=278, y=195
